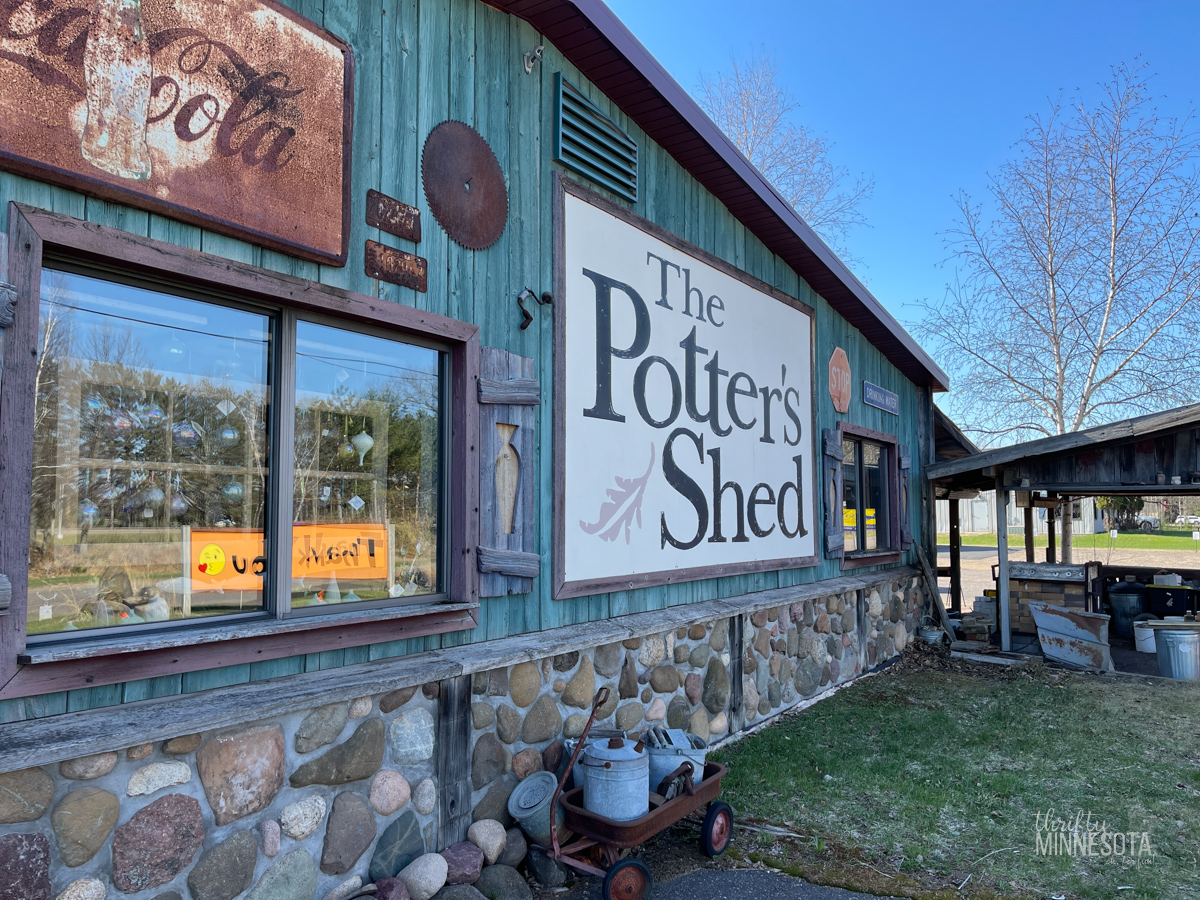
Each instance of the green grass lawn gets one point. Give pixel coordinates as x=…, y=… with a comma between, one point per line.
x=1126, y=540
x=918, y=779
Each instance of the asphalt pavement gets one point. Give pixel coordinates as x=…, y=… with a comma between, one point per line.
x=739, y=884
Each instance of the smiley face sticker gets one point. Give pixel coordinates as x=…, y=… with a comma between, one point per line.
x=211, y=560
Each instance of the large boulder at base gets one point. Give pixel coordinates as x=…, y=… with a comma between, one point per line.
x=400, y=843
x=24, y=795
x=292, y=877
x=226, y=870
x=503, y=883
x=157, y=844
x=82, y=822
x=348, y=834
x=424, y=876
x=241, y=771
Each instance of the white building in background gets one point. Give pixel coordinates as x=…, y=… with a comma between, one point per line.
x=979, y=515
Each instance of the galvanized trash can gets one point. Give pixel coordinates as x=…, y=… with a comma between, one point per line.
x=529, y=804
x=1178, y=653
x=669, y=749
x=618, y=779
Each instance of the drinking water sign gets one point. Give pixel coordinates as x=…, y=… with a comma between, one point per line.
x=686, y=424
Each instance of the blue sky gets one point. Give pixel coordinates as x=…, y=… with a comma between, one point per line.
x=925, y=97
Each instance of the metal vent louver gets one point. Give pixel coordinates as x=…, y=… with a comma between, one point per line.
x=589, y=143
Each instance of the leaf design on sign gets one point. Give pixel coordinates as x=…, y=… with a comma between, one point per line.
x=623, y=505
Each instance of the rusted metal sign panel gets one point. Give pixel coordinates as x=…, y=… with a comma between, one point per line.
x=1072, y=636
x=230, y=114
x=394, y=217
x=397, y=266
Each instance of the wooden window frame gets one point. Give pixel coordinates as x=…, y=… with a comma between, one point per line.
x=81, y=664
x=891, y=554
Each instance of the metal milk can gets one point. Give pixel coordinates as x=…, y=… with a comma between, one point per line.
x=617, y=785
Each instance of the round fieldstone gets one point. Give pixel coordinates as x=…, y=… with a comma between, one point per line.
x=400, y=843
x=774, y=695
x=826, y=675
x=693, y=687
x=321, y=727
x=82, y=822
x=719, y=636
x=524, y=684
x=788, y=693
x=900, y=637
x=715, y=694
x=431, y=690
x=894, y=611
x=699, y=724
x=848, y=621
x=425, y=796
x=718, y=724
x=241, y=771
x=178, y=746
x=508, y=724
x=632, y=643
x=85, y=768
x=346, y=889
x=607, y=659
x=574, y=725
x=24, y=795
x=503, y=883
x=424, y=876
x=664, y=679
x=226, y=870
x=762, y=643
x=652, y=651
x=154, y=777
x=758, y=619
x=389, y=791
x=629, y=715
x=494, y=804
x=361, y=707
x=764, y=706
x=582, y=686
x=291, y=877
x=458, y=892
x=821, y=626
x=627, y=686
x=749, y=661
x=547, y=871
x=565, y=662
x=552, y=756
x=835, y=624
x=656, y=711
x=157, y=843
x=489, y=760
x=24, y=867
x=140, y=752
x=464, y=862
x=697, y=632
x=681, y=653
x=647, y=695
x=482, y=715
x=835, y=670
x=393, y=700
x=542, y=722
x=515, y=848
x=411, y=735
x=698, y=658
x=271, y=834
x=559, y=686
x=303, y=817
x=678, y=712
x=83, y=889
x=609, y=706
x=749, y=693
x=348, y=834
x=775, y=664
x=391, y=889
x=526, y=763
x=833, y=646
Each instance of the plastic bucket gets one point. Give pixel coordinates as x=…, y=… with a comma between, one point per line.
x=529, y=804
x=1126, y=605
x=1178, y=654
x=1143, y=636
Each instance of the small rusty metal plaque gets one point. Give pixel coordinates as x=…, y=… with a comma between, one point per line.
x=397, y=266
x=234, y=115
x=394, y=217
x=464, y=185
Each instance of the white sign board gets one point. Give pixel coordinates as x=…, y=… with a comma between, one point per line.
x=685, y=409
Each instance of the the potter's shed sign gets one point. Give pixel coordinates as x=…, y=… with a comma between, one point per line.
x=684, y=435
x=229, y=114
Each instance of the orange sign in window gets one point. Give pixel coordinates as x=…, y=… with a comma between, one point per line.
x=230, y=559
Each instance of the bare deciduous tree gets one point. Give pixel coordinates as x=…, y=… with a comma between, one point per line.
x=1075, y=298
x=756, y=112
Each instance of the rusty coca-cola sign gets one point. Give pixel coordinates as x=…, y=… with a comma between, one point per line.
x=234, y=115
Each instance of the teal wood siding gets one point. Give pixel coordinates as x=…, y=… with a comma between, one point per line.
x=417, y=63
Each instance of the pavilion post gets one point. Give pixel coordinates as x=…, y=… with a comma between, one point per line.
x=1002, y=578
x=1051, y=556
x=1029, y=534
x=956, y=597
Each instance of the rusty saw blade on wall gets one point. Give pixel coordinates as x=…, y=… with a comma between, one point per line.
x=464, y=185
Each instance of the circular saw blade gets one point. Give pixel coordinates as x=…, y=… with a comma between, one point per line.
x=464, y=185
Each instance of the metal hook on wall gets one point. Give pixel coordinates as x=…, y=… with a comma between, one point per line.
x=530, y=57
x=527, y=294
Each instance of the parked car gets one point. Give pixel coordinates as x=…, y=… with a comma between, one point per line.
x=1187, y=520
x=1148, y=523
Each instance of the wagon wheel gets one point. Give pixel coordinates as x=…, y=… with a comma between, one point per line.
x=717, y=829
x=629, y=879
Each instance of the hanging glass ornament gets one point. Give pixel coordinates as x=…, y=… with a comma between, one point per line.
x=362, y=443
x=185, y=434
x=233, y=492
x=179, y=504
x=88, y=511
x=228, y=436
x=94, y=403
x=153, y=496
x=176, y=347
x=154, y=415
x=147, y=512
x=120, y=422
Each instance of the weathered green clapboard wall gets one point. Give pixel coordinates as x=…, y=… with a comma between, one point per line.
x=419, y=62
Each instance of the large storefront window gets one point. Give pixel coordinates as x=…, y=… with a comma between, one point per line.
x=367, y=470
x=150, y=432
x=153, y=472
